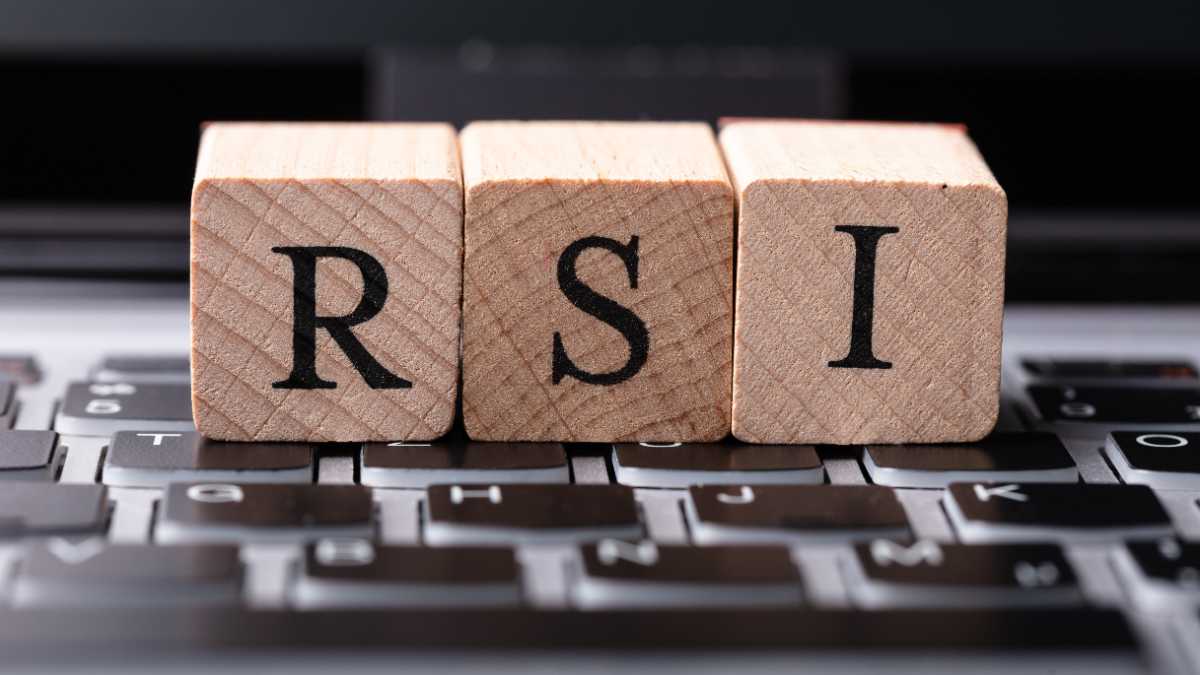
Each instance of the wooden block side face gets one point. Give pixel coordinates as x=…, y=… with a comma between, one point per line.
x=938, y=291
x=645, y=322
x=244, y=282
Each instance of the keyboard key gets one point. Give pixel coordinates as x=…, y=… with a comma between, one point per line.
x=504, y=514
x=27, y=455
x=793, y=513
x=885, y=573
x=679, y=465
x=21, y=368
x=418, y=465
x=89, y=572
x=103, y=409
x=1163, y=573
x=1075, y=512
x=155, y=458
x=1001, y=457
x=358, y=573
x=143, y=369
x=39, y=509
x=833, y=640
x=1118, y=405
x=1167, y=461
x=1091, y=369
x=231, y=512
x=615, y=574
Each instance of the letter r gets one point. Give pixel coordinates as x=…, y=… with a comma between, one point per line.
x=305, y=321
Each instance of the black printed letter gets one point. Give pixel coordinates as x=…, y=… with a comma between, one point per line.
x=611, y=313
x=305, y=321
x=862, y=325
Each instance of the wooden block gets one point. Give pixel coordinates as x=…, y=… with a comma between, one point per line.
x=598, y=282
x=870, y=283
x=366, y=218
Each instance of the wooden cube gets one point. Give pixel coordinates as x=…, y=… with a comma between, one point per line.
x=598, y=282
x=326, y=281
x=870, y=283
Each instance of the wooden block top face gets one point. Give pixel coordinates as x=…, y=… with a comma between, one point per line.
x=865, y=152
x=509, y=152
x=831, y=214
x=329, y=151
x=374, y=211
x=618, y=239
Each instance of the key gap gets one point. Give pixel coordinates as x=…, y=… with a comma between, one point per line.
x=100, y=465
x=1108, y=462
x=687, y=527
x=421, y=521
x=154, y=508
x=60, y=461
x=941, y=505
x=110, y=508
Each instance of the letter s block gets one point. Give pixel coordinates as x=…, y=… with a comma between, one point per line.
x=598, y=282
x=870, y=283
x=326, y=282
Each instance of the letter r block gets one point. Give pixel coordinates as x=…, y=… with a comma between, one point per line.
x=326, y=282
x=598, y=282
x=870, y=283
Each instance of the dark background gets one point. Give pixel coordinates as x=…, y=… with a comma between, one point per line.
x=1082, y=109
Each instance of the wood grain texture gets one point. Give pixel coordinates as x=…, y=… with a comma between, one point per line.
x=532, y=189
x=393, y=191
x=939, y=282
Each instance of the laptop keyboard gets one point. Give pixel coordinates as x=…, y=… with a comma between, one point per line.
x=1051, y=537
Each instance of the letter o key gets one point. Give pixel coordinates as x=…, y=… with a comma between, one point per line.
x=1172, y=441
x=215, y=493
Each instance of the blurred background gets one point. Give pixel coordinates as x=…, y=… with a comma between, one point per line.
x=1082, y=109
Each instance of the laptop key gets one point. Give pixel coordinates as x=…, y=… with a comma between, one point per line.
x=411, y=464
x=27, y=455
x=358, y=573
x=143, y=369
x=21, y=368
x=88, y=572
x=742, y=514
x=1117, y=405
x=836, y=640
x=103, y=409
x=1074, y=512
x=505, y=514
x=885, y=573
x=235, y=512
x=1001, y=457
x=1162, y=573
x=38, y=509
x=155, y=458
x=1167, y=461
x=622, y=574
x=679, y=465
x=1092, y=369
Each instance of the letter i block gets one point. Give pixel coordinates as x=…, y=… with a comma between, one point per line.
x=870, y=283
x=598, y=292
x=326, y=281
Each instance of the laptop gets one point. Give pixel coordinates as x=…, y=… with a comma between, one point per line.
x=1063, y=542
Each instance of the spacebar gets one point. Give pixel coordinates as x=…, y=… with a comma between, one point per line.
x=1032, y=631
